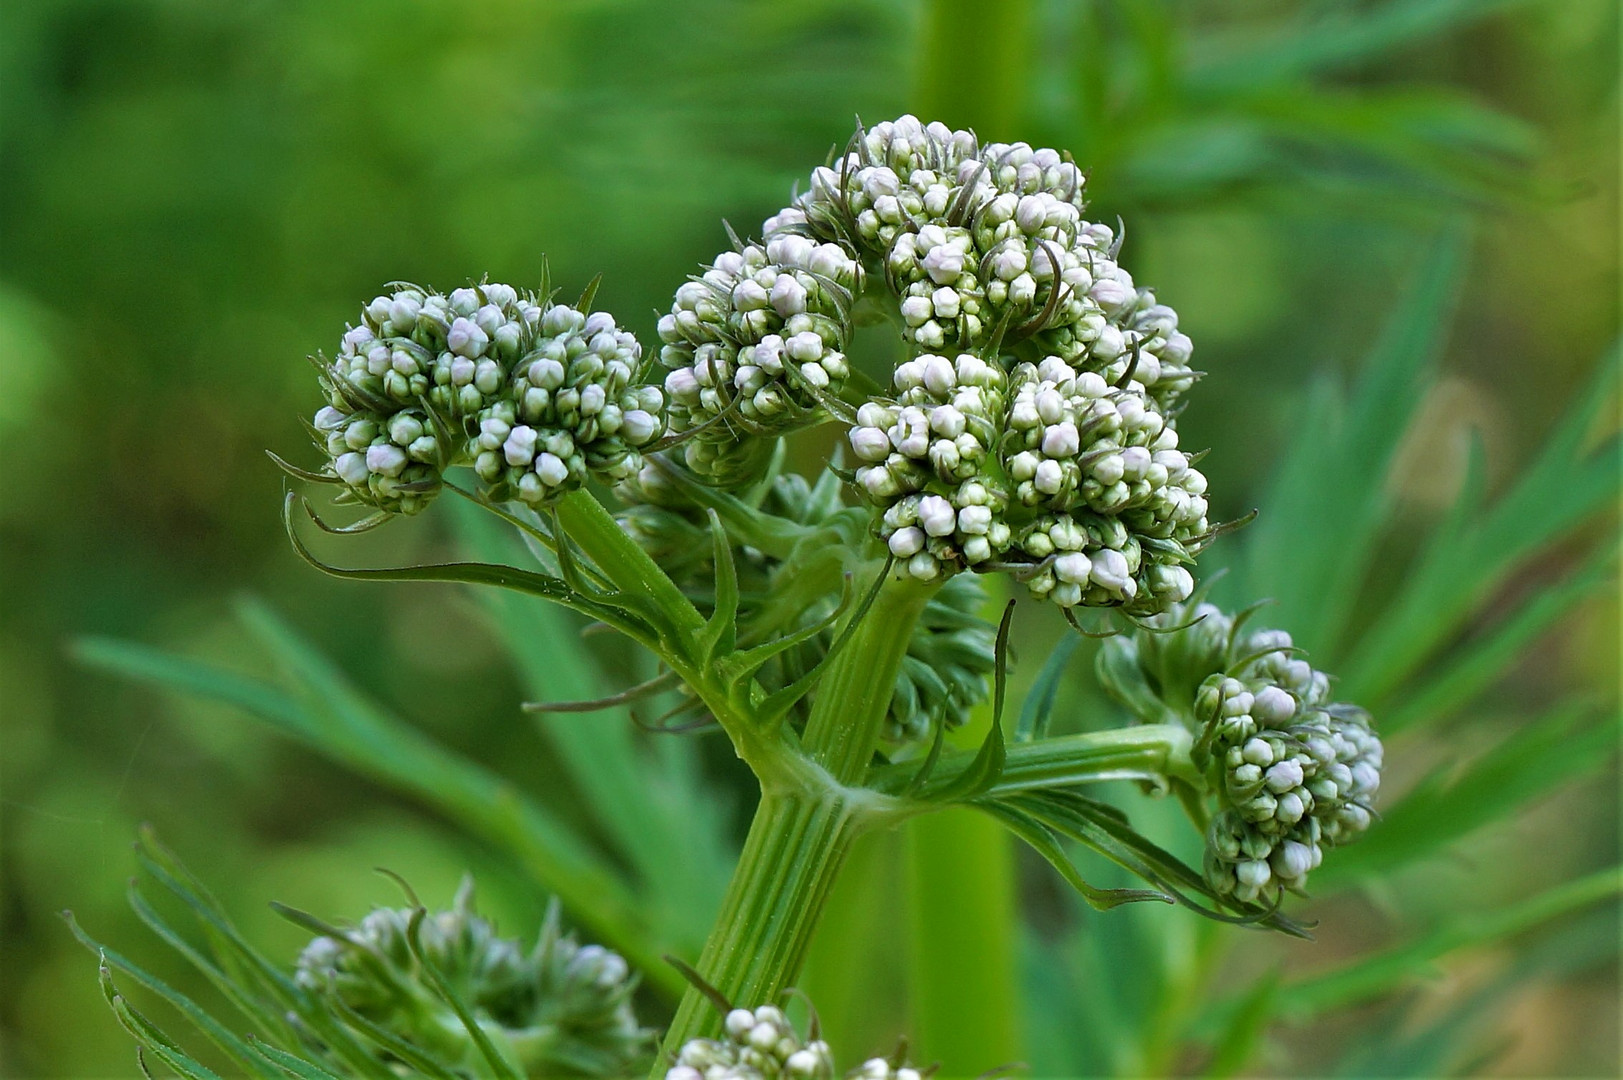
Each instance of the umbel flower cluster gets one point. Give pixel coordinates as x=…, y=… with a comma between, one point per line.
x=761, y=1044
x=1292, y=771
x=1032, y=426
x=558, y=1008
x=536, y=396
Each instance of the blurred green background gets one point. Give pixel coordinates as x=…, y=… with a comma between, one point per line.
x=195, y=195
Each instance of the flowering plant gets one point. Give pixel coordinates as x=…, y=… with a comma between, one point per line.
x=829, y=626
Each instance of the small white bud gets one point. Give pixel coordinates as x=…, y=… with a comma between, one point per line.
x=939, y=376
x=466, y=338
x=1284, y=775
x=1253, y=873
x=907, y=542
x=1061, y=440
x=1273, y=706
x=804, y=347
x=1073, y=567
x=551, y=469
x=788, y=296
x=738, y=1024
x=1110, y=572
x=639, y=426
x=385, y=459
x=937, y=516
x=1050, y=477
x=352, y=468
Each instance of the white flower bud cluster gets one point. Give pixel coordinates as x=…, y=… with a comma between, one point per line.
x=572, y=406
x=884, y=1069
x=393, y=462
x=412, y=347
x=1102, y=468
x=762, y=332
x=566, y=1006
x=1294, y=773
x=895, y=174
x=1066, y=471
x=453, y=350
x=535, y=394
x=1067, y=465
x=976, y=241
x=760, y=1044
x=924, y=460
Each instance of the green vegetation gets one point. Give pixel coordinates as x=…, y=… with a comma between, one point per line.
x=1388, y=228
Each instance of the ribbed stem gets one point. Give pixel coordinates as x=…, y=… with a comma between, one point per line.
x=853, y=696
x=795, y=848
x=801, y=833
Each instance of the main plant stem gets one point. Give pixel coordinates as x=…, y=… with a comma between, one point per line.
x=796, y=846
x=801, y=835
x=849, y=710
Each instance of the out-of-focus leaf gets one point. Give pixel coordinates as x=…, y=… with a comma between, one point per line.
x=1544, y=754
x=1313, y=548
x=1226, y=61
x=1474, y=552
x=1237, y=1043
x=1382, y=972
x=1436, y=138
x=335, y=720
x=1475, y=665
x=1463, y=1040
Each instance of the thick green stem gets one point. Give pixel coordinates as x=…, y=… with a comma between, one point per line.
x=963, y=910
x=806, y=821
x=854, y=694
x=795, y=848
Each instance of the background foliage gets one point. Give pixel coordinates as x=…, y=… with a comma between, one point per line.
x=1391, y=229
